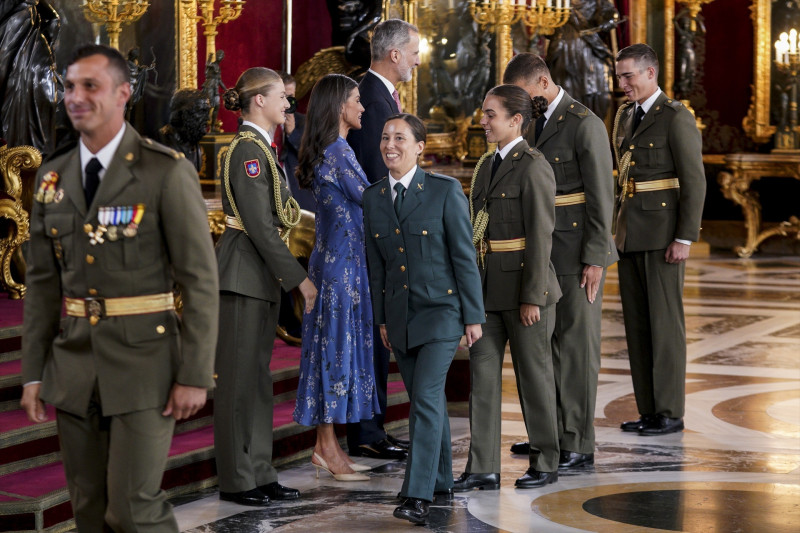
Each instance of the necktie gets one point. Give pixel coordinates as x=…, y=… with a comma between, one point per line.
x=277, y=142
x=496, y=163
x=92, y=170
x=398, y=199
x=396, y=97
x=539, y=127
x=637, y=119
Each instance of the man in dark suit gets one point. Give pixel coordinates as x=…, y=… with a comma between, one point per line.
x=288, y=137
x=117, y=222
x=395, y=53
x=662, y=188
x=574, y=141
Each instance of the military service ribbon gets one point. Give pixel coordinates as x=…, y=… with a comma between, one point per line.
x=47, y=188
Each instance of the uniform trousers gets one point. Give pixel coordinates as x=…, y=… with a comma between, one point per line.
x=243, y=397
x=531, y=354
x=651, y=291
x=114, y=465
x=429, y=466
x=576, y=363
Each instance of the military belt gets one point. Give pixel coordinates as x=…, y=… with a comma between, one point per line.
x=655, y=185
x=508, y=245
x=232, y=222
x=571, y=199
x=97, y=308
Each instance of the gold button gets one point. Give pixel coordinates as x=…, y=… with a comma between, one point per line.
x=93, y=320
x=663, y=204
x=522, y=264
x=89, y=259
x=402, y=268
x=92, y=292
x=560, y=117
x=87, y=228
x=630, y=195
x=557, y=160
x=129, y=156
x=631, y=147
x=503, y=195
x=377, y=235
x=449, y=291
x=515, y=154
x=401, y=250
x=160, y=329
x=651, y=145
x=216, y=375
x=405, y=286
x=574, y=224
x=546, y=293
x=397, y=230
x=424, y=232
x=633, y=163
x=53, y=231
x=572, y=106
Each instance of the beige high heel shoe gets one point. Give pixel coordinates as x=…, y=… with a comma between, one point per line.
x=358, y=467
x=338, y=477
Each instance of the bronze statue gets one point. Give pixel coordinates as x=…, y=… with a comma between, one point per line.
x=686, y=61
x=211, y=86
x=351, y=24
x=579, y=58
x=188, y=122
x=138, y=77
x=29, y=85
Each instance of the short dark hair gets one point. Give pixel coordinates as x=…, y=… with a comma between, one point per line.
x=286, y=77
x=642, y=55
x=515, y=100
x=418, y=129
x=118, y=64
x=525, y=67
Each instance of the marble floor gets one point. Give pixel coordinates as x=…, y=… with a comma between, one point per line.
x=736, y=467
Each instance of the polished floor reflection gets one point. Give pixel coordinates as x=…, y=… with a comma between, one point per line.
x=736, y=467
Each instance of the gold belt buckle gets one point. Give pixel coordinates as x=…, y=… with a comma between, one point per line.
x=630, y=188
x=95, y=309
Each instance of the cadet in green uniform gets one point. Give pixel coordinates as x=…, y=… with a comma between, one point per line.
x=117, y=222
x=254, y=263
x=575, y=143
x=662, y=188
x=513, y=207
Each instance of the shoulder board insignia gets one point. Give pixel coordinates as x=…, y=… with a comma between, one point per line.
x=253, y=168
x=675, y=104
x=578, y=109
x=515, y=154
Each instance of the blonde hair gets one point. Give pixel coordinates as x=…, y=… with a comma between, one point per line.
x=253, y=81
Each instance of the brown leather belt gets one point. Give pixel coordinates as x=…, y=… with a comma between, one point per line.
x=571, y=199
x=97, y=308
x=508, y=245
x=654, y=185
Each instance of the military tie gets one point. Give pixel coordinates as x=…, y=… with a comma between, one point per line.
x=398, y=199
x=396, y=97
x=539, y=127
x=496, y=163
x=93, y=169
x=637, y=118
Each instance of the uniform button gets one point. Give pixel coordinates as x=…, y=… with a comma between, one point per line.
x=93, y=320
x=160, y=329
x=87, y=228
x=397, y=230
x=631, y=147
x=89, y=259
x=663, y=204
x=522, y=264
x=405, y=287
x=92, y=292
x=574, y=224
x=557, y=160
x=449, y=291
x=424, y=232
x=651, y=145
x=503, y=195
x=546, y=293
x=633, y=163
x=377, y=235
x=215, y=375
x=402, y=268
x=630, y=195
x=53, y=231
x=401, y=250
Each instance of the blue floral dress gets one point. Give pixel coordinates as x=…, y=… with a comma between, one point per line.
x=337, y=377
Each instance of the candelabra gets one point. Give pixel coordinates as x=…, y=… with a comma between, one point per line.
x=114, y=13
x=787, y=61
x=500, y=14
x=228, y=10
x=544, y=16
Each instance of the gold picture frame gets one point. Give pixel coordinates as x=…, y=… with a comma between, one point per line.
x=757, y=122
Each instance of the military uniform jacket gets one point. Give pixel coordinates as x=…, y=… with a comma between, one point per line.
x=134, y=359
x=575, y=143
x=259, y=263
x=423, y=276
x=667, y=144
x=520, y=201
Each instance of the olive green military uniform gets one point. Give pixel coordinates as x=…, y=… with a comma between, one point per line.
x=520, y=203
x=253, y=267
x=110, y=376
x=666, y=145
x=574, y=142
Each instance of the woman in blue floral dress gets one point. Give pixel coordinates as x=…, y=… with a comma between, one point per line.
x=337, y=383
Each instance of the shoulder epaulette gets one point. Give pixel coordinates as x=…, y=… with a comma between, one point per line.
x=673, y=103
x=382, y=180
x=578, y=109
x=533, y=152
x=151, y=145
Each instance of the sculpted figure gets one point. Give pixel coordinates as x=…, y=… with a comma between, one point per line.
x=188, y=122
x=138, y=77
x=212, y=84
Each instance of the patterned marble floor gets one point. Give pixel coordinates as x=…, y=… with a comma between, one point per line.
x=736, y=467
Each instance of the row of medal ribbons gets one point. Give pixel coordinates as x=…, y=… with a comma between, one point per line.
x=119, y=221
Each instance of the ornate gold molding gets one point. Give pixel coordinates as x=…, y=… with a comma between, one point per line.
x=186, y=44
x=12, y=162
x=669, y=47
x=756, y=123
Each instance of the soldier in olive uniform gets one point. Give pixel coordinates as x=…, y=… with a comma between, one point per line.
x=513, y=208
x=574, y=141
x=662, y=188
x=117, y=222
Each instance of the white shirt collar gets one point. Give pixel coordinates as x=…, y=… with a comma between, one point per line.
x=389, y=86
x=650, y=101
x=264, y=133
x=551, y=107
x=405, y=180
x=507, y=148
x=104, y=155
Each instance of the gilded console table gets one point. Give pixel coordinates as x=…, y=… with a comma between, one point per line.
x=742, y=170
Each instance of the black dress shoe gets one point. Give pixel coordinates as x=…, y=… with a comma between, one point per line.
x=635, y=425
x=468, y=482
x=382, y=449
x=573, y=459
x=521, y=448
x=441, y=496
x=398, y=443
x=276, y=491
x=414, y=510
x=534, y=479
x=662, y=425
x=252, y=498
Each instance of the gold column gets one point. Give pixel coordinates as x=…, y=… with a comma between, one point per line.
x=186, y=44
x=228, y=10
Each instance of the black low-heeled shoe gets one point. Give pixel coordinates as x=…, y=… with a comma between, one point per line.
x=467, y=482
x=276, y=491
x=251, y=498
x=414, y=510
x=533, y=479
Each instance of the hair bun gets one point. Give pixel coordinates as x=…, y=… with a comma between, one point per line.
x=539, y=106
x=231, y=100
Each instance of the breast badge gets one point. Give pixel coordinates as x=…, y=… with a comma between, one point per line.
x=116, y=222
x=252, y=168
x=47, y=188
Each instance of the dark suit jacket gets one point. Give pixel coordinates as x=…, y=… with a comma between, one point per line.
x=289, y=159
x=423, y=276
x=667, y=144
x=134, y=359
x=521, y=203
x=259, y=263
x=366, y=142
x=575, y=143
